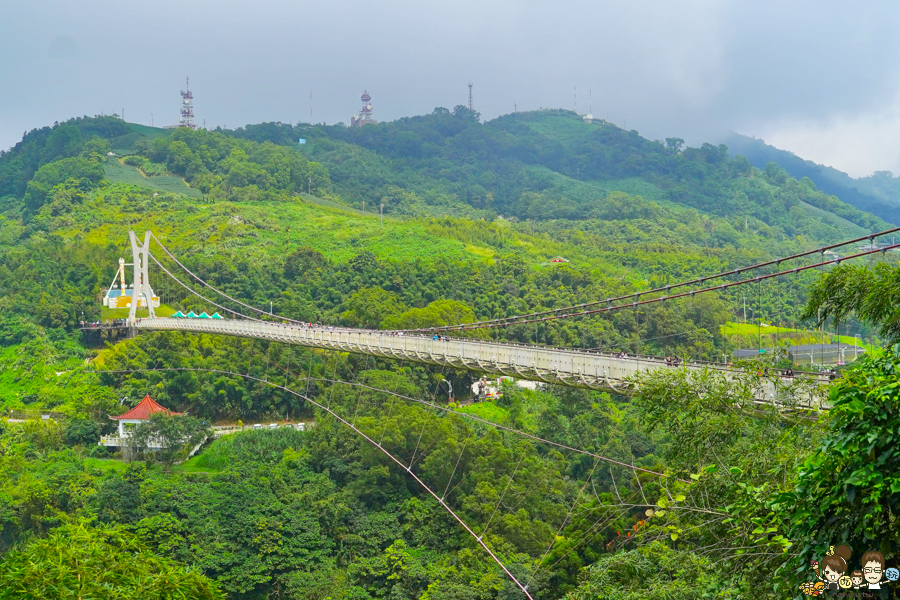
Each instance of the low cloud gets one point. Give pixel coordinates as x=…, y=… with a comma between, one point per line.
x=805, y=74
x=858, y=144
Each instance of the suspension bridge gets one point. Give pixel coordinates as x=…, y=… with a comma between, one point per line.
x=563, y=366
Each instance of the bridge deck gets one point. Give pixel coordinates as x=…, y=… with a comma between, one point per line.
x=549, y=365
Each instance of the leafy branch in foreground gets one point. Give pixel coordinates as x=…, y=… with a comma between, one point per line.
x=849, y=490
x=870, y=293
x=740, y=456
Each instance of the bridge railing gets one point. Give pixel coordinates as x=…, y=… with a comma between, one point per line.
x=648, y=358
x=563, y=366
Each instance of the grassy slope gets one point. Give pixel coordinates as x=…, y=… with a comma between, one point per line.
x=116, y=172
x=747, y=335
x=265, y=230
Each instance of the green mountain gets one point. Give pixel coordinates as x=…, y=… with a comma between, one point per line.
x=464, y=202
x=474, y=213
x=878, y=194
x=551, y=165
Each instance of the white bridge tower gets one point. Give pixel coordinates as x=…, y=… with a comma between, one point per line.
x=141, y=263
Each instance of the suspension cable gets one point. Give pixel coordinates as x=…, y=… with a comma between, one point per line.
x=198, y=293
x=517, y=319
x=216, y=290
x=580, y=313
x=539, y=316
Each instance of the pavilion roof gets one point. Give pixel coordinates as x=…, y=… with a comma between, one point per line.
x=143, y=410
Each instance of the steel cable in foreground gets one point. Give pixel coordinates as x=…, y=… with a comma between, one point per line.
x=373, y=443
x=426, y=403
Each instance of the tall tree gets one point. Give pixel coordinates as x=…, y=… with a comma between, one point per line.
x=168, y=436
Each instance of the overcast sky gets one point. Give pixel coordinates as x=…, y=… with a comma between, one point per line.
x=817, y=78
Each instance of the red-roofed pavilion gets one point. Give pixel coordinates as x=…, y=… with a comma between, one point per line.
x=139, y=414
x=143, y=410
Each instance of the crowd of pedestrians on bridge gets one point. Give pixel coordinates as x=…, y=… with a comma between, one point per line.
x=97, y=324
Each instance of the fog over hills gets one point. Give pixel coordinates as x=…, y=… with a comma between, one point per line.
x=818, y=78
x=878, y=194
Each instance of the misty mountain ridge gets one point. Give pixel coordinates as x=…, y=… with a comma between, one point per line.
x=878, y=193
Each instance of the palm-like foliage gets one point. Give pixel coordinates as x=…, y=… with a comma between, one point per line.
x=81, y=561
x=870, y=293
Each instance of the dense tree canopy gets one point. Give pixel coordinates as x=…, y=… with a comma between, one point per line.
x=225, y=167
x=726, y=493
x=81, y=561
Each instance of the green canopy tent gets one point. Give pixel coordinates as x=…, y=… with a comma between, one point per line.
x=191, y=315
x=203, y=315
x=178, y=315
x=216, y=315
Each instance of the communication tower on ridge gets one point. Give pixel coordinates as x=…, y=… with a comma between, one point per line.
x=589, y=117
x=365, y=113
x=187, y=107
x=471, y=103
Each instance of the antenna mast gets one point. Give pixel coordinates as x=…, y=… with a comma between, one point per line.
x=365, y=113
x=187, y=107
x=471, y=103
x=589, y=118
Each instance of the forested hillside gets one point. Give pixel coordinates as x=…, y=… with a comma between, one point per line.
x=474, y=213
x=552, y=165
x=878, y=194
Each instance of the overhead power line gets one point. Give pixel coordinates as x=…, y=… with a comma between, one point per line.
x=515, y=320
x=435, y=406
